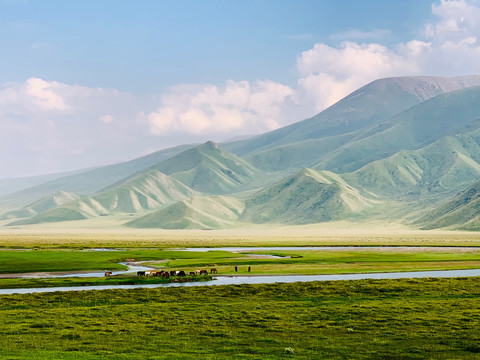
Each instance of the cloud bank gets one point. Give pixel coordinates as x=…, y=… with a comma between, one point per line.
x=62, y=126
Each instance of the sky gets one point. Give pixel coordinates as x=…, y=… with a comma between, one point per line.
x=85, y=83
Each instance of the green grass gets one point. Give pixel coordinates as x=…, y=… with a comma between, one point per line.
x=95, y=281
x=291, y=262
x=369, y=319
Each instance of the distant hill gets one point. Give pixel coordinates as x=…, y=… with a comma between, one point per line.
x=459, y=212
x=443, y=115
x=302, y=144
x=444, y=167
x=398, y=149
x=207, y=212
x=147, y=191
x=58, y=199
x=210, y=169
x=306, y=197
x=86, y=182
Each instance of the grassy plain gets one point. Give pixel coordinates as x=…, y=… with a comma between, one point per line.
x=93, y=234
x=93, y=281
x=369, y=319
x=329, y=261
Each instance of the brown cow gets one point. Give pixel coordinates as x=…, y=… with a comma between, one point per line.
x=192, y=273
x=108, y=273
x=213, y=271
x=203, y=272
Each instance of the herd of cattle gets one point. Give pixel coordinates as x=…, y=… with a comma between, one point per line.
x=167, y=274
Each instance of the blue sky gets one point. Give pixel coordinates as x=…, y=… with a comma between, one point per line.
x=148, y=46
x=89, y=82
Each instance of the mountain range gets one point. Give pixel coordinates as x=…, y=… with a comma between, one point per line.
x=403, y=149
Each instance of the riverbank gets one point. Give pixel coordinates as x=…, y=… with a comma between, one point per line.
x=67, y=282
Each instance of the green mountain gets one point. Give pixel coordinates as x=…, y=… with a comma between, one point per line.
x=207, y=212
x=391, y=150
x=306, y=197
x=58, y=199
x=86, y=182
x=459, y=212
x=443, y=115
x=302, y=144
x=210, y=169
x=444, y=167
x=146, y=191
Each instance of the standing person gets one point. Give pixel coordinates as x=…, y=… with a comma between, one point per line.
x=235, y=269
x=249, y=268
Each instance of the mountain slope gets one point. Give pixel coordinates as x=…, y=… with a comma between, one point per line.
x=147, y=191
x=306, y=197
x=209, y=168
x=446, y=166
x=207, y=212
x=86, y=182
x=42, y=205
x=460, y=212
x=303, y=143
x=414, y=128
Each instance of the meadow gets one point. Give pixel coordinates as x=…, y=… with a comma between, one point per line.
x=270, y=262
x=368, y=319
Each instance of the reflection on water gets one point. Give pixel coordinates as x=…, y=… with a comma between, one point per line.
x=238, y=280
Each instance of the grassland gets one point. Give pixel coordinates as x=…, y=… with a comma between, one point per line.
x=329, y=261
x=370, y=319
x=94, y=281
x=92, y=234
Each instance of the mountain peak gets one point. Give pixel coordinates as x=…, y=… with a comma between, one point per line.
x=212, y=144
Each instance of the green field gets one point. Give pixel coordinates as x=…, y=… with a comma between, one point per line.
x=95, y=281
x=370, y=319
x=332, y=261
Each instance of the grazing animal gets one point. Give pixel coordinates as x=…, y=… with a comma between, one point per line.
x=198, y=272
x=181, y=273
x=213, y=271
x=173, y=273
x=203, y=272
x=140, y=273
x=192, y=272
x=165, y=274
x=108, y=273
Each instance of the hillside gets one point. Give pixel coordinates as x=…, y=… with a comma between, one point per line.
x=305, y=142
x=444, y=167
x=459, y=212
x=443, y=115
x=207, y=212
x=86, y=182
x=306, y=197
x=147, y=191
x=58, y=199
x=210, y=169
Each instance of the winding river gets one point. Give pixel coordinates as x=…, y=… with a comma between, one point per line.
x=239, y=280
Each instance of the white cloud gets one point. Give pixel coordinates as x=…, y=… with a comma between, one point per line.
x=54, y=126
x=106, y=119
x=212, y=109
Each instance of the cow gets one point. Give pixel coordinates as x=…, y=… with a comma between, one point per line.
x=165, y=274
x=140, y=273
x=192, y=273
x=213, y=271
x=173, y=273
x=198, y=272
x=203, y=272
x=181, y=273
x=108, y=273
